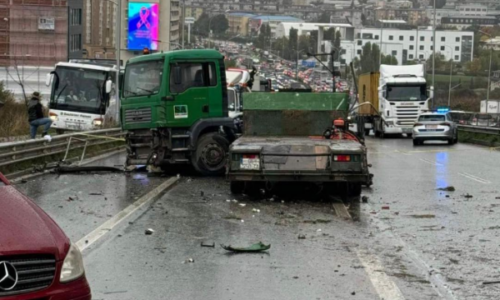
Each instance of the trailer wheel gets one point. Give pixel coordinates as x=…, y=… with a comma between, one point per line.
x=209, y=158
x=237, y=187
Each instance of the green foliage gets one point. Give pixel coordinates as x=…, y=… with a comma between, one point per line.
x=323, y=18
x=369, y=59
x=389, y=60
x=292, y=40
x=264, y=38
x=217, y=24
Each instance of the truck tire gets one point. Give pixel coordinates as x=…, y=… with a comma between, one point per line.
x=367, y=132
x=209, y=158
x=237, y=187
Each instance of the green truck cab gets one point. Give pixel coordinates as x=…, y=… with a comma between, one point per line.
x=291, y=137
x=175, y=110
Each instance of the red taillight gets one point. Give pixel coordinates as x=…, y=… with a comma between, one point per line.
x=341, y=158
x=250, y=156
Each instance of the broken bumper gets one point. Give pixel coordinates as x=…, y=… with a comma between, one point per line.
x=298, y=177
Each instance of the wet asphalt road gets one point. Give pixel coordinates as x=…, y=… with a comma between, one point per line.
x=410, y=241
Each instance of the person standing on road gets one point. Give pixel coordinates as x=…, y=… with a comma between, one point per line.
x=36, y=118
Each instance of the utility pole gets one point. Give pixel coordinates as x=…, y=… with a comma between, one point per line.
x=118, y=54
x=434, y=51
x=183, y=19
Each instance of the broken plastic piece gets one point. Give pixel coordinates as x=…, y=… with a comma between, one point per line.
x=149, y=231
x=212, y=245
x=258, y=247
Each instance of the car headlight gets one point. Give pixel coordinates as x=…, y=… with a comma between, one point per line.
x=73, y=265
x=53, y=117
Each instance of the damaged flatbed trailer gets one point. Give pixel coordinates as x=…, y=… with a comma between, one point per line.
x=297, y=137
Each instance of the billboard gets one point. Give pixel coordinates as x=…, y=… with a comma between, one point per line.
x=143, y=24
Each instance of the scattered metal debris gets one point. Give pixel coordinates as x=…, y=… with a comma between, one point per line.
x=149, y=231
x=189, y=261
x=77, y=169
x=302, y=236
x=424, y=216
x=468, y=196
x=491, y=282
x=208, y=245
x=258, y=247
x=364, y=199
x=386, y=207
x=447, y=189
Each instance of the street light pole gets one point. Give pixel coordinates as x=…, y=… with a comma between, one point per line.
x=489, y=71
x=434, y=51
x=451, y=73
x=118, y=54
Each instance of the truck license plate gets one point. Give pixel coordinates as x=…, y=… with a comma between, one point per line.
x=250, y=164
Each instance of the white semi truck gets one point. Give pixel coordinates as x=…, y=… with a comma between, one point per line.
x=398, y=94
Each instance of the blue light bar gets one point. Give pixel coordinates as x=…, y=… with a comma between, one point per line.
x=443, y=110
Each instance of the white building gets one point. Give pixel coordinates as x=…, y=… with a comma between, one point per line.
x=472, y=9
x=418, y=44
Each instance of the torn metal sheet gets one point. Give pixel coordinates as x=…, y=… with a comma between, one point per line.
x=258, y=247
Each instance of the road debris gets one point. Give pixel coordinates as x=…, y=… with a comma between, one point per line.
x=364, y=199
x=207, y=245
x=385, y=207
x=242, y=204
x=256, y=210
x=468, y=196
x=149, y=231
x=189, y=261
x=424, y=216
x=258, y=247
x=95, y=194
x=447, y=189
x=491, y=282
x=302, y=236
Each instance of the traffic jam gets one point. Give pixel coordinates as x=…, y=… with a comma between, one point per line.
x=255, y=181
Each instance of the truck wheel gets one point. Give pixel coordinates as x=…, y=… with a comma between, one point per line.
x=237, y=187
x=210, y=155
x=367, y=132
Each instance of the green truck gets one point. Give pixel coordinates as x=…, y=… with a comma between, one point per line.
x=175, y=111
x=297, y=137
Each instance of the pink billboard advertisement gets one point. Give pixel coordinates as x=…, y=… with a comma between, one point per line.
x=143, y=24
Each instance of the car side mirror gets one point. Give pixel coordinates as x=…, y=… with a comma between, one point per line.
x=109, y=86
x=177, y=75
x=48, y=79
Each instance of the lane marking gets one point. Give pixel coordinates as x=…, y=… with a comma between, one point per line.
x=475, y=178
x=431, y=162
x=437, y=281
x=107, y=226
x=384, y=286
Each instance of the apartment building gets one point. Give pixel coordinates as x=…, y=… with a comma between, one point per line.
x=414, y=17
x=463, y=21
x=36, y=32
x=193, y=12
x=254, y=23
x=238, y=23
x=99, y=31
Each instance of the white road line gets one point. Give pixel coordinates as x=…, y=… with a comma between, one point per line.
x=107, y=226
x=431, y=162
x=384, y=286
x=475, y=178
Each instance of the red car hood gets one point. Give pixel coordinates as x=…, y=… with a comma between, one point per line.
x=26, y=229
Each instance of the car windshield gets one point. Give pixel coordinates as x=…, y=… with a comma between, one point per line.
x=406, y=93
x=143, y=79
x=432, y=118
x=78, y=89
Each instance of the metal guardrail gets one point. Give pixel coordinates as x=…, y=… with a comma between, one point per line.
x=480, y=129
x=478, y=133
x=16, y=152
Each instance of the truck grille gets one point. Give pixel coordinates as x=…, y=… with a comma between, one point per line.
x=140, y=115
x=406, y=115
x=35, y=272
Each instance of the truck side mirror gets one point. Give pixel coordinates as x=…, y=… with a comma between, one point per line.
x=109, y=86
x=177, y=75
x=48, y=79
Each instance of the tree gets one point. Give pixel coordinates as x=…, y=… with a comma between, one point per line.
x=200, y=26
x=364, y=21
x=389, y=60
x=264, y=38
x=219, y=24
x=292, y=40
x=471, y=86
x=323, y=18
x=474, y=67
x=336, y=42
x=369, y=59
x=439, y=3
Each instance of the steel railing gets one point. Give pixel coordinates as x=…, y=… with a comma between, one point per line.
x=17, y=152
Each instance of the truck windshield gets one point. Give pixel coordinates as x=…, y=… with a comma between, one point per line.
x=143, y=79
x=406, y=93
x=79, y=90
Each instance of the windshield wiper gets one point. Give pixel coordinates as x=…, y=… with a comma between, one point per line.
x=132, y=92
